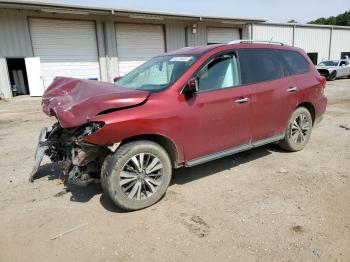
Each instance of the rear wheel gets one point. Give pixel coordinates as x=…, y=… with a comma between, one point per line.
x=137, y=175
x=298, y=131
x=332, y=76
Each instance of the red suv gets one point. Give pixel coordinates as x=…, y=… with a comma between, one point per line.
x=179, y=109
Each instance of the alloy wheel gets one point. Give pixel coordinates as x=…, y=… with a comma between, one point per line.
x=141, y=176
x=300, y=129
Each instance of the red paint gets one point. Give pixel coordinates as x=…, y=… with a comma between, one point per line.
x=199, y=125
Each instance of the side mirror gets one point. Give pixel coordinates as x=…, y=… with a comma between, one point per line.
x=117, y=78
x=191, y=86
x=343, y=65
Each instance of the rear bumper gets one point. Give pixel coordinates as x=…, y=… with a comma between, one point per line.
x=321, y=106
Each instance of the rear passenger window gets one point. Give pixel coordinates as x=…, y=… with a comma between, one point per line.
x=259, y=65
x=295, y=62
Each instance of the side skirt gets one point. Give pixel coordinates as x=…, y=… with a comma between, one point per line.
x=232, y=151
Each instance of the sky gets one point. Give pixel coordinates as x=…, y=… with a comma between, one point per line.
x=272, y=10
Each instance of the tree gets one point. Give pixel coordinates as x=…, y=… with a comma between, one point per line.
x=292, y=21
x=342, y=19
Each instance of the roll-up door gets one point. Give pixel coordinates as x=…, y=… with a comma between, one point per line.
x=222, y=35
x=66, y=48
x=136, y=43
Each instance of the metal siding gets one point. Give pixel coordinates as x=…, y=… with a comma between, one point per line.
x=198, y=39
x=273, y=32
x=14, y=34
x=175, y=35
x=222, y=35
x=313, y=40
x=340, y=42
x=66, y=48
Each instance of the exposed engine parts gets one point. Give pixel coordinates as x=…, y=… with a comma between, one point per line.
x=80, y=161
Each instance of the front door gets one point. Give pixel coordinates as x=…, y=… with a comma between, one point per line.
x=218, y=115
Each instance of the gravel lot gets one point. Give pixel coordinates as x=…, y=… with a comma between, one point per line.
x=260, y=205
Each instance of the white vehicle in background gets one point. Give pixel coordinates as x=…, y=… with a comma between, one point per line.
x=332, y=69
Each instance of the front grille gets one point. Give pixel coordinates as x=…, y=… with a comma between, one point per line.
x=323, y=72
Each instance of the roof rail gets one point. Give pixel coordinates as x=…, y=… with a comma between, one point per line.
x=251, y=41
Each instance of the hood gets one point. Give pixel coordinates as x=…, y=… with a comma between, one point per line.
x=75, y=101
x=326, y=67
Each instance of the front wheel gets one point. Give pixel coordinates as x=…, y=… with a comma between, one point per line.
x=298, y=130
x=137, y=175
x=332, y=76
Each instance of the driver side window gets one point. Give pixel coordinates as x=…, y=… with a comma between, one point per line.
x=221, y=72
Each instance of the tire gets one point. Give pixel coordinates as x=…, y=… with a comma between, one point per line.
x=332, y=76
x=295, y=137
x=132, y=185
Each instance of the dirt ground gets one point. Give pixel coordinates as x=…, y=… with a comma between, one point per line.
x=260, y=205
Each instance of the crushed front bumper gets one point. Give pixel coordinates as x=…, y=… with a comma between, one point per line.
x=80, y=161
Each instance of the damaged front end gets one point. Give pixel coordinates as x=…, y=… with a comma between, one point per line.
x=80, y=162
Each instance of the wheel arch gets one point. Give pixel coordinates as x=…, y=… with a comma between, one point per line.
x=310, y=107
x=169, y=146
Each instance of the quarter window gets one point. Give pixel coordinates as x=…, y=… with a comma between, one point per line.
x=221, y=72
x=295, y=62
x=258, y=65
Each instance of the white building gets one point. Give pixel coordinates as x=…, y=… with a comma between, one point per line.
x=40, y=41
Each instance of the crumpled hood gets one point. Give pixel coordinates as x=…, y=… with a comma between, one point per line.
x=75, y=101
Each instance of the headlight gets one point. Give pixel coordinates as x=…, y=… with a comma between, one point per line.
x=88, y=129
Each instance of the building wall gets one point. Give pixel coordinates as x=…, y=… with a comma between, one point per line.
x=313, y=40
x=279, y=33
x=327, y=42
x=14, y=34
x=340, y=42
x=15, y=39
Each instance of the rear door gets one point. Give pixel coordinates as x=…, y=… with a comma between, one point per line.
x=344, y=69
x=219, y=112
x=274, y=93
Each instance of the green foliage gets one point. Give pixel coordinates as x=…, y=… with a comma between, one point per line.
x=342, y=19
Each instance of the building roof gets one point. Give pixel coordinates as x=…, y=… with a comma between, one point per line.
x=57, y=6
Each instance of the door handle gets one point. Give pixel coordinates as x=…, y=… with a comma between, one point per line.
x=292, y=89
x=242, y=100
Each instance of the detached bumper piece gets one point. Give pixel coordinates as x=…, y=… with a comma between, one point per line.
x=80, y=162
x=39, y=153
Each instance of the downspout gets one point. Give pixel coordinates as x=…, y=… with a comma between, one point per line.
x=251, y=31
x=293, y=40
x=330, y=43
x=105, y=41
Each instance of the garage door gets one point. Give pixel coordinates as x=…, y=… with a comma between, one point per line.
x=137, y=43
x=217, y=35
x=66, y=48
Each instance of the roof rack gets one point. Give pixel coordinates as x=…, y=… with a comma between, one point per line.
x=250, y=41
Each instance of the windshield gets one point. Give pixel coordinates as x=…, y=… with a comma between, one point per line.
x=157, y=73
x=328, y=63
